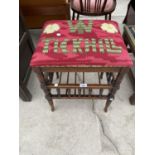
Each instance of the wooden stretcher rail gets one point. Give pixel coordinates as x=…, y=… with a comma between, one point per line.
x=80, y=69
x=80, y=97
x=93, y=86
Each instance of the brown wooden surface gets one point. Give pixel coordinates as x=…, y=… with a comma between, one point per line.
x=80, y=69
x=37, y=12
x=130, y=14
x=116, y=86
x=41, y=78
x=41, y=2
x=24, y=93
x=130, y=43
x=129, y=39
x=93, y=86
x=132, y=99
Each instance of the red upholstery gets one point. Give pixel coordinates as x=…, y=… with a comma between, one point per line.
x=87, y=43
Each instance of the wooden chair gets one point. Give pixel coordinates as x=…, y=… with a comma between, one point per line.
x=93, y=8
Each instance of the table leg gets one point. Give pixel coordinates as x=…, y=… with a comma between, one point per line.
x=116, y=85
x=41, y=78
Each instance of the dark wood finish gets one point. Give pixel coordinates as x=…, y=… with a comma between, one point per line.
x=26, y=49
x=116, y=85
x=48, y=95
x=132, y=78
x=78, y=15
x=93, y=86
x=57, y=74
x=110, y=16
x=130, y=15
x=129, y=40
x=112, y=84
x=132, y=99
x=80, y=69
x=79, y=96
x=101, y=75
x=45, y=10
x=73, y=17
x=37, y=12
x=85, y=9
x=24, y=92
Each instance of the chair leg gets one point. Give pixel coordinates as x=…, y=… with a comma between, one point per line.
x=78, y=16
x=110, y=16
x=105, y=17
x=57, y=74
x=73, y=17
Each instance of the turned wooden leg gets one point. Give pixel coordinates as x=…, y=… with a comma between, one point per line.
x=109, y=77
x=47, y=92
x=108, y=102
x=51, y=104
x=116, y=84
x=101, y=75
x=50, y=77
x=57, y=74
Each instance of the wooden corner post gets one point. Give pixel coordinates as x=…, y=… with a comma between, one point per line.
x=116, y=86
x=47, y=92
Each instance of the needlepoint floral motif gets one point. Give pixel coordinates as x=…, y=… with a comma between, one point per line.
x=110, y=28
x=51, y=28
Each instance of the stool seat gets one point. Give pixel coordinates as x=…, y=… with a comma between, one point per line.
x=88, y=42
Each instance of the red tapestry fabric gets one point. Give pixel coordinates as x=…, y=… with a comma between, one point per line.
x=87, y=42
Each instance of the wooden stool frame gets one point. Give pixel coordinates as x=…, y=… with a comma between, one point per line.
x=45, y=76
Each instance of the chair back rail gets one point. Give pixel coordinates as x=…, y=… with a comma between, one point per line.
x=86, y=5
x=92, y=7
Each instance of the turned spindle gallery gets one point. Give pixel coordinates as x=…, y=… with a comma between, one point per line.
x=81, y=45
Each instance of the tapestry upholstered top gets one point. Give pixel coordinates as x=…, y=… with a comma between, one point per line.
x=84, y=42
